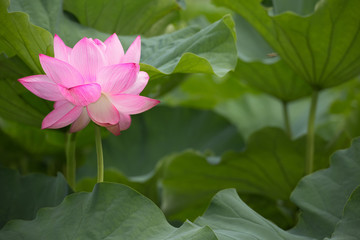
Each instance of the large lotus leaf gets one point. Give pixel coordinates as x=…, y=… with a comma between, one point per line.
x=276, y=79
x=230, y=218
x=210, y=50
x=19, y=36
x=153, y=135
x=23, y=196
x=322, y=48
x=348, y=226
x=329, y=200
x=126, y=17
x=321, y=196
x=111, y=211
x=189, y=180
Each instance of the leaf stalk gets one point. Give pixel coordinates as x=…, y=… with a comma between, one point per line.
x=286, y=119
x=70, y=147
x=310, y=141
x=99, y=154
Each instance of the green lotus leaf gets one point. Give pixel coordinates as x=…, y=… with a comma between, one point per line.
x=190, y=179
x=347, y=227
x=23, y=196
x=230, y=218
x=19, y=36
x=322, y=48
x=328, y=199
x=110, y=211
x=322, y=195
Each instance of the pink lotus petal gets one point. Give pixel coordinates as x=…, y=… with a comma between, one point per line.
x=117, y=78
x=132, y=55
x=80, y=123
x=82, y=95
x=62, y=52
x=124, y=123
x=59, y=103
x=100, y=44
x=61, y=116
x=103, y=112
x=42, y=86
x=139, y=84
x=87, y=58
x=61, y=72
x=114, y=50
x=132, y=104
x=114, y=129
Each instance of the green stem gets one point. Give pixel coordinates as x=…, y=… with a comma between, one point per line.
x=99, y=152
x=310, y=141
x=286, y=118
x=70, y=159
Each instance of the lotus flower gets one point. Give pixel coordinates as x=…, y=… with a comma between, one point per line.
x=94, y=80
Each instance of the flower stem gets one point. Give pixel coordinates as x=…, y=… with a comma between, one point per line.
x=286, y=118
x=99, y=152
x=310, y=141
x=70, y=159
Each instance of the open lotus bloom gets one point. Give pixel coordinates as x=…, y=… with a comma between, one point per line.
x=94, y=80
